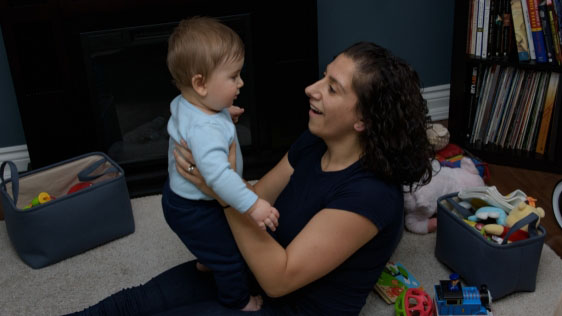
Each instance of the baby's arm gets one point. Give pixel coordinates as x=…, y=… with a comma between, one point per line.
x=264, y=214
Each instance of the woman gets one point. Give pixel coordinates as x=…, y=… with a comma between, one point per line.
x=338, y=192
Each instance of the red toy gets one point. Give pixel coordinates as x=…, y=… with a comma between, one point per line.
x=414, y=301
x=79, y=186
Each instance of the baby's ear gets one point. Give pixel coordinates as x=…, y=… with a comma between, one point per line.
x=198, y=84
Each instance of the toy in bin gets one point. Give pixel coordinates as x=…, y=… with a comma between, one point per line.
x=451, y=298
x=41, y=198
x=414, y=302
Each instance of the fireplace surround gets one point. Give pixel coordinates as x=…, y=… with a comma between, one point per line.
x=91, y=76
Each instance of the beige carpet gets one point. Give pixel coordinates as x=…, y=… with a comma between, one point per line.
x=80, y=281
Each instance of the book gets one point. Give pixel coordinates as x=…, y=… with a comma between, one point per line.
x=536, y=31
x=552, y=151
x=549, y=44
x=554, y=28
x=547, y=112
x=494, y=26
x=479, y=28
x=395, y=279
x=527, y=19
x=473, y=26
x=485, y=29
x=469, y=27
x=520, y=31
x=536, y=111
x=507, y=34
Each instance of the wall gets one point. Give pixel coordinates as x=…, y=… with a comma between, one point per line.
x=421, y=32
x=418, y=31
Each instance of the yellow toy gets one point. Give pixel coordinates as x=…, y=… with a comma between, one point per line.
x=43, y=197
x=517, y=213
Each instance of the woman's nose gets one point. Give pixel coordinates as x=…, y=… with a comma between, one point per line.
x=312, y=90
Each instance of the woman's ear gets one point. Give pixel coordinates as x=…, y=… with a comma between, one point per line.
x=359, y=126
x=198, y=84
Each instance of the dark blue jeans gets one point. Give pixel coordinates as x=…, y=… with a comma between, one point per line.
x=203, y=228
x=182, y=290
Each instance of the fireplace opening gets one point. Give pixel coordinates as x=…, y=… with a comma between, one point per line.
x=131, y=89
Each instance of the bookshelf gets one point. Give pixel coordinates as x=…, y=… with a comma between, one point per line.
x=463, y=109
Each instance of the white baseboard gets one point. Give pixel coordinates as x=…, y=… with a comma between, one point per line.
x=18, y=155
x=437, y=98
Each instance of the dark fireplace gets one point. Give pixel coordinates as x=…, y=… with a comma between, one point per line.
x=92, y=76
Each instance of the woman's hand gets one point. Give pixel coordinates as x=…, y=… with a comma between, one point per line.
x=185, y=165
x=235, y=113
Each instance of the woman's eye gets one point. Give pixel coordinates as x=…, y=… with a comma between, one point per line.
x=331, y=90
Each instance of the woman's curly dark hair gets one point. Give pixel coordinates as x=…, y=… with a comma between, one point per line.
x=395, y=144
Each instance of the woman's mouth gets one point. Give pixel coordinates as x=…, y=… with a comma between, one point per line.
x=315, y=110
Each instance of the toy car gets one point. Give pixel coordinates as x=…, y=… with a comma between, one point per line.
x=451, y=299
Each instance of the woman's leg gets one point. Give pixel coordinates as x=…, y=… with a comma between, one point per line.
x=202, y=227
x=182, y=285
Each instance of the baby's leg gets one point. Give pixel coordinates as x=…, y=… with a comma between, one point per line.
x=202, y=227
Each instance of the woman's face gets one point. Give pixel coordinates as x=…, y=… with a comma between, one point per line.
x=333, y=102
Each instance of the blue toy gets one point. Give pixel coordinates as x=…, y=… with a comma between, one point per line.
x=486, y=212
x=451, y=298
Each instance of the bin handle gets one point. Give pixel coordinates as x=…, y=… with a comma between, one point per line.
x=85, y=175
x=14, y=179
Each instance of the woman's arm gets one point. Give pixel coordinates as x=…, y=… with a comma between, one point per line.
x=272, y=183
x=328, y=239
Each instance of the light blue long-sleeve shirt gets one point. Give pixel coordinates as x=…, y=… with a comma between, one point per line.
x=209, y=137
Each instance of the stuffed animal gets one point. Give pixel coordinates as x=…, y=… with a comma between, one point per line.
x=421, y=205
x=517, y=213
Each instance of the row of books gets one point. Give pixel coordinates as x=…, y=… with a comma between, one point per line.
x=513, y=108
x=534, y=25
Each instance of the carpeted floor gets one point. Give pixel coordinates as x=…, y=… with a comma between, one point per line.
x=80, y=281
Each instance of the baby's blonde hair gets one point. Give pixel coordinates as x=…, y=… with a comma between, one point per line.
x=198, y=45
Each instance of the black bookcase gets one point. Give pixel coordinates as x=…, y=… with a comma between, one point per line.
x=460, y=112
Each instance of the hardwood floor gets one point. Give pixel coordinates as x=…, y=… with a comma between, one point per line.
x=537, y=184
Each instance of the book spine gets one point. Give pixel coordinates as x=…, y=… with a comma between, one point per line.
x=536, y=31
x=474, y=27
x=553, y=21
x=480, y=28
x=469, y=27
x=547, y=113
x=486, y=29
x=492, y=29
x=507, y=34
x=527, y=20
x=520, y=30
x=549, y=44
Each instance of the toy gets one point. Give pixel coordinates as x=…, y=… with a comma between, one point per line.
x=393, y=281
x=79, y=186
x=414, y=302
x=451, y=298
x=420, y=205
x=517, y=213
x=438, y=136
x=41, y=198
x=486, y=212
x=492, y=196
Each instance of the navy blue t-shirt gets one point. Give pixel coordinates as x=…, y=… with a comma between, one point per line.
x=344, y=290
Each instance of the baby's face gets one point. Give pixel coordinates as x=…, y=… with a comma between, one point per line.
x=223, y=85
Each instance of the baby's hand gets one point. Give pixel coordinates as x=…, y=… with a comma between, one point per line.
x=264, y=214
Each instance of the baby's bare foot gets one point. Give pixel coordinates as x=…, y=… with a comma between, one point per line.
x=254, y=304
x=201, y=267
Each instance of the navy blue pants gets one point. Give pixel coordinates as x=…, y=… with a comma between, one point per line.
x=203, y=228
x=181, y=290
